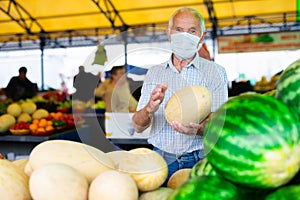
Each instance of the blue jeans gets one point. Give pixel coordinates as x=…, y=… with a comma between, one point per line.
x=175, y=162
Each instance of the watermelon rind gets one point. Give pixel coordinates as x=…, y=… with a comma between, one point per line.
x=291, y=192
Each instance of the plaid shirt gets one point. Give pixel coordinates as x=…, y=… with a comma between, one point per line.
x=199, y=72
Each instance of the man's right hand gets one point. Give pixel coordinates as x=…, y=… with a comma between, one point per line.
x=157, y=96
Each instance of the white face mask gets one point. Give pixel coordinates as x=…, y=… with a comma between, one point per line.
x=184, y=45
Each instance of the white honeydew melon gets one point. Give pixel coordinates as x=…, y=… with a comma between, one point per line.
x=190, y=104
x=161, y=193
x=28, y=107
x=21, y=163
x=14, y=109
x=113, y=185
x=13, y=182
x=25, y=117
x=6, y=120
x=117, y=156
x=178, y=178
x=147, y=168
x=58, y=181
x=85, y=158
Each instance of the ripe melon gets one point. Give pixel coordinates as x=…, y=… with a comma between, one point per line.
x=25, y=117
x=178, y=178
x=86, y=159
x=14, y=109
x=146, y=167
x=6, y=120
x=117, y=156
x=21, y=163
x=113, y=185
x=40, y=113
x=28, y=107
x=58, y=181
x=190, y=104
x=13, y=182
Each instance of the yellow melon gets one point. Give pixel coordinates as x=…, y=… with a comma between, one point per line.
x=21, y=163
x=28, y=107
x=147, y=168
x=6, y=120
x=40, y=113
x=14, y=109
x=13, y=182
x=190, y=104
x=178, y=178
x=84, y=158
x=25, y=117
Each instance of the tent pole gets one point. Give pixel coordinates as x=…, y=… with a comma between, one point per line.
x=42, y=47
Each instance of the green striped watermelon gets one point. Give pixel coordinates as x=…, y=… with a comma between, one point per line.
x=253, y=140
x=291, y=192
x=206, y=188
x=288, y=86
x=202, y=168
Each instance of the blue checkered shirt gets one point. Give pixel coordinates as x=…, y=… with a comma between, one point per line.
x=199, y=72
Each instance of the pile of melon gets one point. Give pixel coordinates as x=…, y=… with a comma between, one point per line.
x=62, y=169
x=24, y=111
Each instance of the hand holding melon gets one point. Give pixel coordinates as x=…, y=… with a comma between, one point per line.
x=187, y=108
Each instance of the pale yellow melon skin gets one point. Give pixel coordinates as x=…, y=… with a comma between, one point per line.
x=28, y=107
x=14, y=109
x=178, y=178
x=146, y=167
x=161, y=193
x=58, y=181
x=190, y=104
x=117, y=156
x=84, y=158
x=21, y=163
x=13, y=182
x=6, y=120
x=113, y=185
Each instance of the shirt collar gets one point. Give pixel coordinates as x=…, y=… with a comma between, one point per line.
x=191, y=64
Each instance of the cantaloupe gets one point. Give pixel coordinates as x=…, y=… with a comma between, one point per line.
x=113, y=185
x=58, y=181
x=6, y=120
x=13, y=182
x=14, y=109
x=178, y=178
x=190, y=104
x=147, y=168
x=86, y=159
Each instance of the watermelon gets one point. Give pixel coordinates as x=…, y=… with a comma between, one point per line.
x=253, y=140
x=291, y=192
x=206, y=188
x=287, y=89
x=202, y=168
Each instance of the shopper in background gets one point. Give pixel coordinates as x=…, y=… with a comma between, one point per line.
x=181, y=146
x=20, y=87
x=115, y=92
x=85, y=84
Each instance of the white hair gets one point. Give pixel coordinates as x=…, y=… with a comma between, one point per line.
x=195, y=12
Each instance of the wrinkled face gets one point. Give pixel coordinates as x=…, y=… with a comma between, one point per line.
x=185, y=22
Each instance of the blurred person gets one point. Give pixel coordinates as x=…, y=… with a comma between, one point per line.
x=181, y=146
x=20, y=87
x=115, y=92
x=85, y=84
